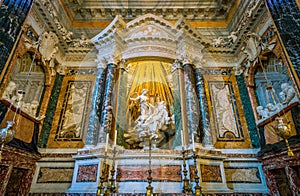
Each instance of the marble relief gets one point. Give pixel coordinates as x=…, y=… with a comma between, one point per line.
x=55, y=175
x=224, y=108
x=140, y=173
x=210, y=173
x=242, y=175
x=74, y=110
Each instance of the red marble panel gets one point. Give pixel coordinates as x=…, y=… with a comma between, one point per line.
x=20, y=163
x=87, y=173
x=15, y=181
x=211, y=173
x=273, y=162
x=140, y=173
x=4, y=171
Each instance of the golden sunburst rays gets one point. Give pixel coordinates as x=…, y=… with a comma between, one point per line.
x=150, y=75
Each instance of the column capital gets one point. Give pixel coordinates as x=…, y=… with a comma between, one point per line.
x=103, y=61
x=177, y=64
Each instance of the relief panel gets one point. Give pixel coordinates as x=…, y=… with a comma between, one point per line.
x=73, y=108
x=55, y=175
x=226, y=112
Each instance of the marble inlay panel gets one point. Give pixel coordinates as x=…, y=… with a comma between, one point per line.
x=87, y=173
x=210, y=173
x=140, y=173
x=72, y=111
x=228, y=122
x=242, y=175
x=55, y=175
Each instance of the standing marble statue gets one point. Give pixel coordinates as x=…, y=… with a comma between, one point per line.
x=143, y=99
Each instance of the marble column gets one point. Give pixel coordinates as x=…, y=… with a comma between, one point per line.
x=107, y=115
x=180, y=96
x=179, y=104
x=255, y=139
x=121, y=113
x=192, y=103
x=95, y=114
x=204, y=115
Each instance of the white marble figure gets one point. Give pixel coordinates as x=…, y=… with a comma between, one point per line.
x=143, y=99
x=153, y=118
x=10, y=92
x=287, y=94
x=263, y=113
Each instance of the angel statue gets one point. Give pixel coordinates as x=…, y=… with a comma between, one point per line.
x=152, y=119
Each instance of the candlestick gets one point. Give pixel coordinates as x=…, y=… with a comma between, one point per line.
x=106, y=145
x=182, y=137
x=115, y=139
x=193, y=142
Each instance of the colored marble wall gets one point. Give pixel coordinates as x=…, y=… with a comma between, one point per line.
x=228, y=122
x=286, y=17
x=254, y=136
x=170, y=173
x=12, y=16
x=72, y=110
x=282, y=171
x=16, y=171
x=45, y=132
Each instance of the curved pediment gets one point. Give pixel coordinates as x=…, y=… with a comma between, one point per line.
x=149, y=18
x=149, y=31
x=150, y=36
x=117, y=23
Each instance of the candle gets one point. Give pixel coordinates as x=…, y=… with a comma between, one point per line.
x=115, y=139
x=182, y=137
x=106, y=145
x=193, y=142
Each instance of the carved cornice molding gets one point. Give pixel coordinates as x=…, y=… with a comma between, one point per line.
x=229, y=43
x=205, y=10
x=179, y=15
x=189, y=50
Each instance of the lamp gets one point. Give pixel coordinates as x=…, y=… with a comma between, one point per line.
x=282, y=126
x=7, y=133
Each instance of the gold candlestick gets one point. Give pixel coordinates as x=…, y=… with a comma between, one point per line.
x=186, y=183
x=101, y=188
x=197, y=187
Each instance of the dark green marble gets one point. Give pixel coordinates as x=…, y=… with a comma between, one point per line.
x=177, y=109
x=13, y=15
x=248, y=112
x=286, y=17
x=50, y=112
x=3, y=110
x=122, y=113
